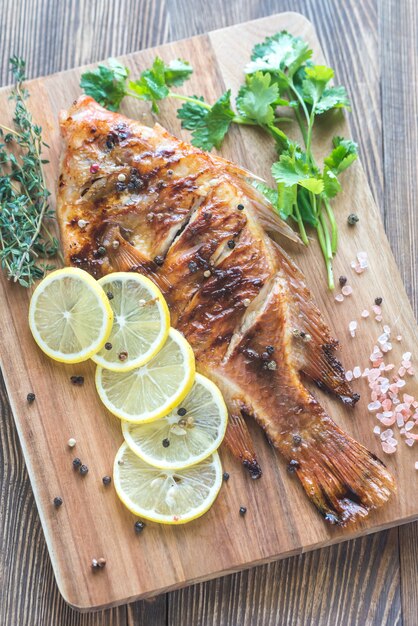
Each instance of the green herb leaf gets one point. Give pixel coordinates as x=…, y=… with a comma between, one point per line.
x=269, y=193
x=279, y=53
x=177, y=72
x=106, y=84
x=332, y=185
x=292, y=168
x=151, y=84
x=208, y=126
x=316, y=79
x=256, y=97
x=333, y=98
x=344, y=153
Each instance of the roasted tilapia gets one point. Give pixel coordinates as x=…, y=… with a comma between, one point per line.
x=133, y=198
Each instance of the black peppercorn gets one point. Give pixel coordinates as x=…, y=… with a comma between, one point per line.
x=240, y=207
x=166, y=443
x=77, y=380
x=242, y=510
x=83, y=470
x=297, y=440
x=225, y=476
x=181, y=411
x=57, y=501
x=193, y=267
x=30, y=397
x=101, y=562
x=101, y=250
x=378, y=301
x=110, y=295
x=231, y=244
x=342, y=280
x=108, y=345
x=270, y=349
x=352, y=219
x=106, y=480
x=159, y=260
x=292, y=466
x=76, y=463
x=139, y=527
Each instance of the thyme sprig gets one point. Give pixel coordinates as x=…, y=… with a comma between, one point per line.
x=24, y=237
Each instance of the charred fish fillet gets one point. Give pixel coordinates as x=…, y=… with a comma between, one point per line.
x=134, y=198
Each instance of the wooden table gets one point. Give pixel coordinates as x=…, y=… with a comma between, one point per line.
x=372, y=44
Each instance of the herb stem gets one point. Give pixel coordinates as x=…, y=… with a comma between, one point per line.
x=301, y=225
x=328, y=263
x=179, y=96
x=333, y=223
x=10, y=130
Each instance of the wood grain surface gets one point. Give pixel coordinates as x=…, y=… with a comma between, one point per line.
x=317, y=588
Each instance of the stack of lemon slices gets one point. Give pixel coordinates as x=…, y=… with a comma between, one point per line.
x=173, y=419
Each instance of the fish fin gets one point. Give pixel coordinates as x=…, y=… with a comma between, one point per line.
x=342, y=478
x=312, y=336
x=126, y=258
x=267, y=216
x=239, y=442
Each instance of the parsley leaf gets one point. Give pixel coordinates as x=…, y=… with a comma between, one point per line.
x=208, y=125
x=332, y=185
x=177, y=72
x=258, y=98
x=316, y=79
x=279, y=53
x=292, y=168
x=269, y=193
x=333, y=98
x=344, y=153
x=153, y=84
x=106, y=84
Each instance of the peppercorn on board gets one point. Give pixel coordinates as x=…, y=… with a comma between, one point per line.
x=91, y=522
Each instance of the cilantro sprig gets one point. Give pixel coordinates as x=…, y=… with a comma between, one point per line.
x=280, y=75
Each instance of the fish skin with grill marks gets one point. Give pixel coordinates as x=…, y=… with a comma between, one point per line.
x=134, y=198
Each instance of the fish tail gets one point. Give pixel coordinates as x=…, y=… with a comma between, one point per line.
x=239, y=442
x=343, y=479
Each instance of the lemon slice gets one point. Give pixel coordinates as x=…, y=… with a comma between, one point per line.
x=189, y=434
x=140, y=325
x=69, y=315
x=153, y=390
x=166, y=496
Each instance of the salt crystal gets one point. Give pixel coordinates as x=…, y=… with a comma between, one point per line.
x=362, y=258
x=400, y=420
x=374, y=395
x=399, y=338
x=401, y=371
x=357, y=372
x=376, y=430
x=407, y=356
x=349, y=375
x=387, y=448
x=392, y=441
x=376, y=309
x=347, y=290
x=378, y=318
x=386, y=347
x=407, y=398
x=394, y=388
x=353, y=264
x=352, y=328
x=402, y=431
x=389, y=367
x=409, y=425
x=386, y=434
x=416, y=465
x=365, y=313
x=406, y=364
x=409, y=442
x=387, y=421
x=366, y=372
x=382, y=339
x=411, y=371
x=400, y=383
x=339, y=298
x=374, y=406
x=386, y=329
x=387, y=404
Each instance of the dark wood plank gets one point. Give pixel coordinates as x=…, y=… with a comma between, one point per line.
x=399, y=32
x=316, y=588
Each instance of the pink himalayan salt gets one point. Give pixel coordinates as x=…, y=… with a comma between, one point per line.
x=339, y=297
x=407, y=356
x=387, y=404
x=388, y=448
x=347, y=290
x=376, y=430
x=406, y=364
x=400, y=422
x=409, y=425
x=374, y=406
x=356, y=372
x=377, y=310
x=387, y=421
x=401, y=371
x=378, y=318
x=349, y=375
x=408, y=399
x=409, y=442
x=411, y=371
x=386, y=329
x=400, y=383
x=399, y=338
x=365, y=313
x=416, y=465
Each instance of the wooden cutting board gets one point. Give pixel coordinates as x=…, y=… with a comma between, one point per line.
x=280, y=520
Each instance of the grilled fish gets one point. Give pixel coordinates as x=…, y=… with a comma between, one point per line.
x=134, y=198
